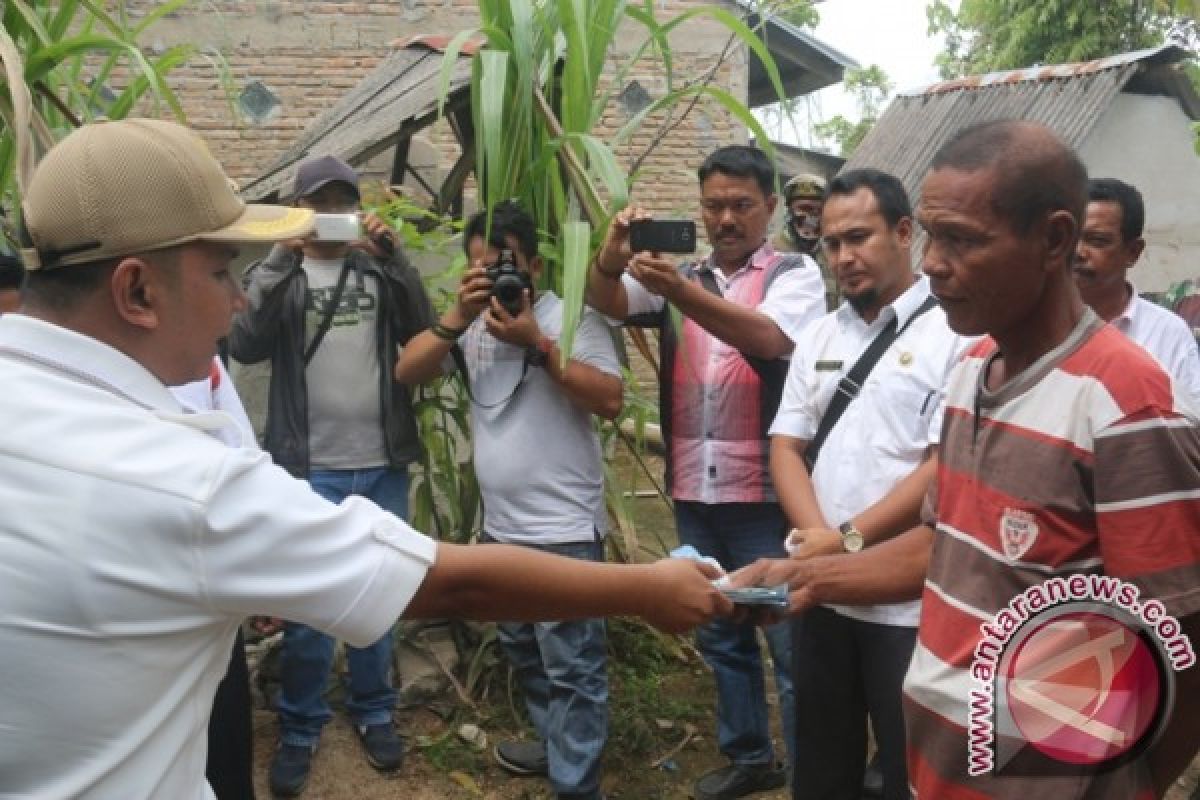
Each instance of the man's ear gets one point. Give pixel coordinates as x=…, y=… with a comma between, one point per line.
x=1135, y=249
x=1061, y=232
x=772, y=202
x=535, y=267
x=904, y=231
x=137, y=293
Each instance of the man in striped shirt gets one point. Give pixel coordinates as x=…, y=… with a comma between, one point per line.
x=1066, y=451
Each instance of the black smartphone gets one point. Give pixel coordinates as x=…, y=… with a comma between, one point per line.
x=662, y=235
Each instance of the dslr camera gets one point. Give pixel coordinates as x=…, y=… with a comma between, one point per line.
x=508, y=282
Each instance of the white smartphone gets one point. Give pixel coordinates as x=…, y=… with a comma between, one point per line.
x=337, y=228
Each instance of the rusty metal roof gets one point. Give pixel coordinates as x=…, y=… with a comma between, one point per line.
x=1069, y=98
x=398, y=98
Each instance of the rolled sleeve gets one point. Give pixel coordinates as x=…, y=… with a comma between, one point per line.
x=640, y=300
x=797, y=415
x=268, y=544
x=795, y=299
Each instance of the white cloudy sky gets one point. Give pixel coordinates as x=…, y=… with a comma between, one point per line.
x=890, y=33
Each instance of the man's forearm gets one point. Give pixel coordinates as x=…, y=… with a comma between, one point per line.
x=606, y=294
x=900, y=509
x=793, y=485
x=587, y=387
x=421, y=359
x=744, y=329
x=890, y=572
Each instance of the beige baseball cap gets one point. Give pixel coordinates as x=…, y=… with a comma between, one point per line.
x=112, y=188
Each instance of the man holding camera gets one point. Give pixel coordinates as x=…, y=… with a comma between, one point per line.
x=329, y=312
x=538, y=459
x=722, y=372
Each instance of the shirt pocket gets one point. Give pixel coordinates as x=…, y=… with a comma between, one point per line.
x=906, y=403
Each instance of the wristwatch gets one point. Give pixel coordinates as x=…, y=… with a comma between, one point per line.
x=536, y=355
x=852, y=538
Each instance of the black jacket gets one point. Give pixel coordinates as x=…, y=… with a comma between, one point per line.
x=273, y=327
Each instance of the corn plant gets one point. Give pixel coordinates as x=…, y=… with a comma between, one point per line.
x=61, y=63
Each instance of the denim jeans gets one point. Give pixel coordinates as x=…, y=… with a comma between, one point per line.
x=561, y=668
x=307, y=654
x=737, y=534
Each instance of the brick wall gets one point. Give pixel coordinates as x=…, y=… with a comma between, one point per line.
x=309, y=53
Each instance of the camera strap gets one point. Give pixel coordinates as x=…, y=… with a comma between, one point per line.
x=330, y=310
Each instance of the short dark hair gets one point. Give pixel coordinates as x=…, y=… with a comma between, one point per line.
x=12, y=273
x=64, y=288
x=1036, y=173
x=888, y=191
x=740, y=161
x=1133, y=210
x=508, y=219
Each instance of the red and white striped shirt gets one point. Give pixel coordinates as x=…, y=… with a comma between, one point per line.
x=1097, y=460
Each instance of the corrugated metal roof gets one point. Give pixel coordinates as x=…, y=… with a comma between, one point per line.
x=396, y=99
x=1068, y=98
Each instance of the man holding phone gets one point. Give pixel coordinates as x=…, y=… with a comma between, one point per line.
x=329, y=311
x=722, y=371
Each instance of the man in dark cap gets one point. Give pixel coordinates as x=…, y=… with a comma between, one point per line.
x=329, y=311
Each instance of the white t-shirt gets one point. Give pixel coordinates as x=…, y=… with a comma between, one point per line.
x=537, y=455
x=1168, y=338
x=133, y=543
x=885, y=431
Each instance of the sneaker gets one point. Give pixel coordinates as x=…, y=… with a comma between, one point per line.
x=385, y=748
x=289, y=769
x=739, y=780
x=522, y=758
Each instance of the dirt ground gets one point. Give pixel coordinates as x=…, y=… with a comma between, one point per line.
x=440, y=766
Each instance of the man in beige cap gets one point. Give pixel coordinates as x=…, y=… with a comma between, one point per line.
x=134, y=543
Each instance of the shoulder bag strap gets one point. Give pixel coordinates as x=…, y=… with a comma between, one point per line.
x=327, y=319
x=851, y=383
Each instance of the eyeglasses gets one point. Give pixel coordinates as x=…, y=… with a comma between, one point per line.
x=739, y=208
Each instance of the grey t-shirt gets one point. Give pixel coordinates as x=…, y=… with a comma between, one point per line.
x=344, y=412
x=537, y=455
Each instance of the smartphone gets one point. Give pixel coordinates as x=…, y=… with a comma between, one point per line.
x=337, y=228
x=662, y=235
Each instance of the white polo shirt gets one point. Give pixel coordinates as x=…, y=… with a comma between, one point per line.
x=132, y=543
x=885, y=431
x=1164, y=335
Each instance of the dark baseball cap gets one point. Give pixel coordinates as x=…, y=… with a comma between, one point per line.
x=317, y=172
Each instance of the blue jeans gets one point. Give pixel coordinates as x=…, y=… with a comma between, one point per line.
x=561, y=668
x=737, y=534
x=307, y=654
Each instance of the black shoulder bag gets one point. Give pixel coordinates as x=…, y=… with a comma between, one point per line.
x=851, y=383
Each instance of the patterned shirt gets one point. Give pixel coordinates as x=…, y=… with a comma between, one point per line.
x=718, y=446
x=1085, y=463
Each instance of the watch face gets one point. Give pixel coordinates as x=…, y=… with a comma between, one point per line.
x=852, y=540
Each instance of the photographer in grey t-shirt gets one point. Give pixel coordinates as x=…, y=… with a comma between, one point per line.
x=540, y=472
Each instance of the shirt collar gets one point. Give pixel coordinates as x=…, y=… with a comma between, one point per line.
x=1125, y=319
x=84, y=358
x=761, y=258
x=902, y=308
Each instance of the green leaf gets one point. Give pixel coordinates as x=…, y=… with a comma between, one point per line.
x=576, y=236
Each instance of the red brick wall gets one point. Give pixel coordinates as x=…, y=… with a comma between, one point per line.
x=310, y=53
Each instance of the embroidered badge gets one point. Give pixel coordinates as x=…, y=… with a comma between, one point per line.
x=1018, y=532
x=906, y=359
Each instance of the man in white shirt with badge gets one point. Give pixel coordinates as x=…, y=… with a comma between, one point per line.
x=861, y=412
x=1109, y=246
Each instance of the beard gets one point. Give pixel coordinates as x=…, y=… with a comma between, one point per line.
x=864, y=300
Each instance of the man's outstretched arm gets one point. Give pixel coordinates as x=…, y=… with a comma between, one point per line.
x=504, y=582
